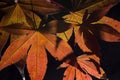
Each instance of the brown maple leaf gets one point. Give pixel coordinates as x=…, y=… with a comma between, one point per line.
x=40, y=6
x=26, y=12
x=83, y=5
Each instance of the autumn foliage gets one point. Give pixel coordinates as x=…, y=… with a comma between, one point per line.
x=36, y=28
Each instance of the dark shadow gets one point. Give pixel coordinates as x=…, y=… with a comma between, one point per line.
x=10, y=72
x=110, y=59
x=52, y=72
x=98, y=28
x=5, y=47
x=76, y=49
x=114, y=12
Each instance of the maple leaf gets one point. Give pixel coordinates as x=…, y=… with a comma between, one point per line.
x=76, y=5
x=85, y=39
x=82, y=67
x=21, y=12
x=40, y=6
x=15, y=14
x=86, y=30
x=26, y=12
x=26, y=23
x=99, y=5
x=34, y=43
x=83, y=5
x=20, y=23
x=109, y=31
x=17, y=17
x=105, y=30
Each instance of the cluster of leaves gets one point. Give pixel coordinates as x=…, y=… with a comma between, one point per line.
x=37, y=26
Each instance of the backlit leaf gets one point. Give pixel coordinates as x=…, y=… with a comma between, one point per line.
x=109, y=30
x=83, y=36
x=14, y=52
x=85, y=67
x=33, y=28
x=69, y=73
x=34, y=44
x=16, y=14
x=86, y=32
x=91, y=66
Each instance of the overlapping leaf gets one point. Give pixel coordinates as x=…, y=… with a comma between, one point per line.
x=24, y=25
x=34, y=44
x=21, y=20
x=82, y=68
x=82, y=5
x=26, y=12
x=110, y=31
x=39, y=6
x=85, y=39
x=86, y=34
x=81, y=65
x=77, y=4
x=16, y=14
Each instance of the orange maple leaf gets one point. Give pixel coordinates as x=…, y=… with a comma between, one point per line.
x=87, y=29
x=82, y=67
x=34, y=43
